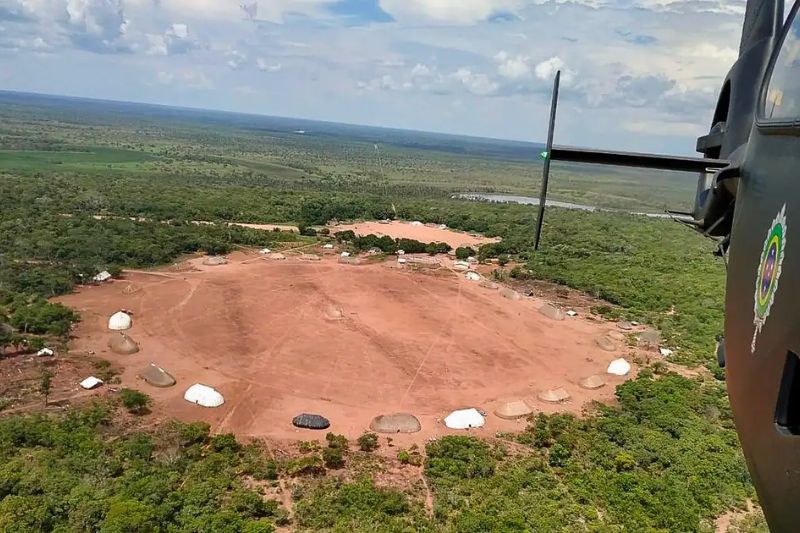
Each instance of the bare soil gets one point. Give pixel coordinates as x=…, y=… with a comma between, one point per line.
x=402, y=229
x=350, y=342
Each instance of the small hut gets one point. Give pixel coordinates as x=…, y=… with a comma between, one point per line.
x=122, y=344
x=395, y=423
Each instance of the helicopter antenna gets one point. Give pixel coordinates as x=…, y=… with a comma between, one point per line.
x=546, y=155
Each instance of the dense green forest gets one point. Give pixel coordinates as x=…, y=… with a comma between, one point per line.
x=666, y=458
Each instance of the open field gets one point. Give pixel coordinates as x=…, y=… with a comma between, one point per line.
x=134, y=140
x=278, y=338
x=430, y=233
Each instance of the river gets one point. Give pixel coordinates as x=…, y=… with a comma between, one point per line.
x=530, y=200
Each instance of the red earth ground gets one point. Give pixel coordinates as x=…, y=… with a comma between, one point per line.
x=423, y=233
x=282, y=337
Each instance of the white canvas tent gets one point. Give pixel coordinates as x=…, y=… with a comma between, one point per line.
x=203, y=395
x=45, y=352
x=120, y=321
x=102, y=276
x=91, y=382
x=619, y=367
x=472, y=276
x=464, y=419
x=265, y=251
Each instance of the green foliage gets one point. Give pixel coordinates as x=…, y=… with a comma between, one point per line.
x=664, y=459
x=626, y=260
x=503, y=259
x=194, y=433
x=79, y=473
x=657, y=462
x=308, y=446
x=358, y=506
x=256, y=463
x=225, y=443
x=337, y=441
x=308, y=465
x=454, y=458
x=463, y=252
x=368, y=442
x=134, y=400
x=409, y=457
x=42, y=317
x=333, y=457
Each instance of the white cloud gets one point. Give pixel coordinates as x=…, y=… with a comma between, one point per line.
x=546, y=70
x=265, y=66
x=420, y=71
x=180, y=31
x=173, y=41
x=437, y=52
x=513, y=68
x=661, y=127
x=723, y=7
x=476, y=83
x=188, y=78
x=447, y=11
x=236, y=59
x=234, y=10
x=725, y=54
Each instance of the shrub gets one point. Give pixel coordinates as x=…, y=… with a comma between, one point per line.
x=368, y=442
x=519, y=272
x=503, y=259
x=462, y=252
x=310, y=465
x=456, y=457
x=307, y=231
x=624, y=462
x=345, y=236
x=308, y=446
x=333, y=457
x=337, y=441
x=409, y=457
x=559, y=454
x=135, y=401
x=225, y=442
x=194, y=433
x=256, y=463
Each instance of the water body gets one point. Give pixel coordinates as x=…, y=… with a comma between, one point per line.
x=530, y=200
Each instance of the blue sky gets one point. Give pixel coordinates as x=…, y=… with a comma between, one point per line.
x=637, y=74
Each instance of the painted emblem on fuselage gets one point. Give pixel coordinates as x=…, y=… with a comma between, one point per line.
x=769, y=273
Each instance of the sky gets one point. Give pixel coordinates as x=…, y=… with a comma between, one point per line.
x=636, y=74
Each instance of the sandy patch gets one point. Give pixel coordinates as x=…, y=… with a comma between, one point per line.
x=401, y=229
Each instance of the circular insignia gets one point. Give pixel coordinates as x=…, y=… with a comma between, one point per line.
x=769, y=272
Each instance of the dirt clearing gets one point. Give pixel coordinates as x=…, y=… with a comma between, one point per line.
x=420, y=232
x=278, y=338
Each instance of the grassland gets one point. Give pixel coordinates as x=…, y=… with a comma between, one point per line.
x=665, y=459
x=265, y=151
